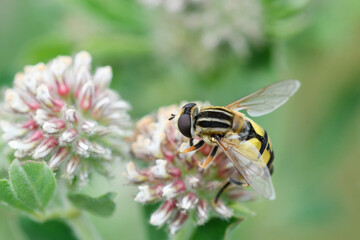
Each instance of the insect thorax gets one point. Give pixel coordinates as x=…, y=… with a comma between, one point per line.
x=218, y=121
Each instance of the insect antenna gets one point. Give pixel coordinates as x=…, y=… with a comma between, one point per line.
x=172, y=117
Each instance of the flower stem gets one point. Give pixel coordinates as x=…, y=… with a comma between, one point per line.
x=83, y=228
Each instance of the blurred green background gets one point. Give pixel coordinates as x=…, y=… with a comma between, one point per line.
x=316, y=135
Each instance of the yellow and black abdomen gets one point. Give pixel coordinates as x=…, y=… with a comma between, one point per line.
x=259, y=138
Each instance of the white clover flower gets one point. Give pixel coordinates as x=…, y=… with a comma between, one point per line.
x=195, y=28
x=61, y=113
x=175, y=179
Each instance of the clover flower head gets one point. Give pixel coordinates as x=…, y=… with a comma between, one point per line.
x=209, y=25
x=174, y=179
x=62, y=113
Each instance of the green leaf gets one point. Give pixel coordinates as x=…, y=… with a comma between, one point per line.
x=216, y=229
x=53, y=229
x=103, y=205
x=240, y=210
x=8, y=196
x=30, y=187
x=32, y=182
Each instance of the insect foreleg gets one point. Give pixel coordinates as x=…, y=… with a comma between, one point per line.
x=209, y=158
x=194, y=147
x=191, y=142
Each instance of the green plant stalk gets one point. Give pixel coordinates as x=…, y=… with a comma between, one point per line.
x=83, y=228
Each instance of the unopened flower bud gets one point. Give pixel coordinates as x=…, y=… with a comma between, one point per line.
x=45, y=148
x=54, y=126
x=68, y=136
x=72, y=165
x=160, y=216
x=202, y=212
x=86, y=94
x=178, y=221
x=58, y=157
x=14, y=101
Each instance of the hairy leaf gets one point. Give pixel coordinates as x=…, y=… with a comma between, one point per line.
x=216, y=229
x=103, y=205
x=30, y=186
x=53, y=229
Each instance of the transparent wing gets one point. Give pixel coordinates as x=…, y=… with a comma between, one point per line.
x=249, y=163
x=266, y=99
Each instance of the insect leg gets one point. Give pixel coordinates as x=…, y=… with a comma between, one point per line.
x=191, y=141
x=209, y=158
x=227, y=184
x=222, y=190
x=172, y=117
x=194, y=147
x=242, y=184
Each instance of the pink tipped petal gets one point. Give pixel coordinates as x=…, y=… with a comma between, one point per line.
x=133, y=174
x=72, y=165
x=102, y=77
x=174, y=172
x=82, y=77
x=42, y=116
x=178, y=222
x=144, y=195
x=221, y=209
x=43, y=95
x=45, y=148
x=90, y=127
x=27, y=144
x=68, y=136
x=82, y=59
x=14, y=101
x=202, y=212
x=99, y=107
x=58, y=157
x=82, y=147
x=62, y=88
x=71, y=115
x=160, y=216
x=86, y=95
x=173, y=189
x=54, y=126
x=30, y=124
x=11, y=131
x=188, y=201
x=36, y=136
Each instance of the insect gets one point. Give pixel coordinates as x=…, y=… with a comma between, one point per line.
x=245, y=143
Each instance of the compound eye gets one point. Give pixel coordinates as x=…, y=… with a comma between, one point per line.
x=184, y=124
x=189, y=105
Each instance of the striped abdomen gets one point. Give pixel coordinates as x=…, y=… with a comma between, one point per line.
x=259, y=137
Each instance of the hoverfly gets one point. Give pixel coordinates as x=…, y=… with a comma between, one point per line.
x=245, y=143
